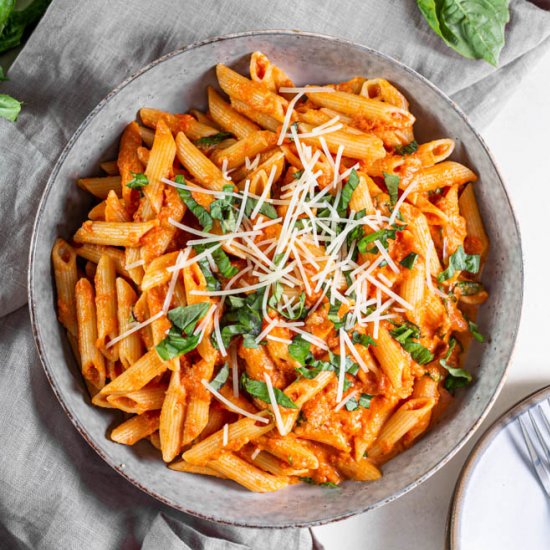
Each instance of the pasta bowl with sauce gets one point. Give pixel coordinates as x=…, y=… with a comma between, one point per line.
x=177, y=83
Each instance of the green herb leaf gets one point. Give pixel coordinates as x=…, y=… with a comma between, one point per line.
x=6, y=7
x=275, y=299
x=383, y=235
x=266, y=209
x=348, y=189
x=221, y=378
x=175, y=344
x=460, y=261
x=364, y=400
x=334, y=316
x=258, y=389
x=13, y=28
x=310, y=481
x=469, y=288
x=300, y=349
x=457, y=378
x=186, y=317
x=242, y=316
x=363, y=339
x=207, y=141
x=351, y=404
x=473, y=28
x=406, y=334
x=202, y=215
x=392, y=184
x=408, y=261
x=3, y=77
x=138, y=181
x=211, y=282
x=222, y=209
x=9, y=107
x=408, y=149
x=298, y=174
x=224, y=265
x=475, y=332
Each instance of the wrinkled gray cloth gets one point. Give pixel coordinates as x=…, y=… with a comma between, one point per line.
x=55, y=492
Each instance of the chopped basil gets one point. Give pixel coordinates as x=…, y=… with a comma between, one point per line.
x=298, y=174
x=205, y=219
x=475, y=332
x=334, y=316
x=186, y=317
x=175, y=344
x=214, y=139
x=211, y=282
x=275, y=299
x=408, y=261
x=223, y=211
x=258, y=389
x=383, y=235
x=457, y=378
x=221, y=377
x=408, y=149
x=9, y=107
x=460, y=261
x=300, y=349
x=242, y=316
x=363, y=401
x=392, y=184
x=406, y=334
x=469, y=288
x=224, y=265
x=347, y=190
x=138, y=181
x=266, y=209
x=363, y=339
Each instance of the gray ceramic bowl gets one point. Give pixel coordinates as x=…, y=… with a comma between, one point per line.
x=178, y=82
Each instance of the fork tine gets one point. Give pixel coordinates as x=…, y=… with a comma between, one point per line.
x=539, y=466
x=544, y=417
x=539, y=435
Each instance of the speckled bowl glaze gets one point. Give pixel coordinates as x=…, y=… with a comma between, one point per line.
x=177, y=82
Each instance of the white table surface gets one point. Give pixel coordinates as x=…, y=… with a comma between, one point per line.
x=519, y=141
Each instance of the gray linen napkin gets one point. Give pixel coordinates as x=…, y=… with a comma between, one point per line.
x=55, y=492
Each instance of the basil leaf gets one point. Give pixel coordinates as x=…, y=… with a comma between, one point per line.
x=348, y=189
x=298, y=174
x=266, y=209
x=364, y=400
x=408, y=261
x=475, y=332
x=258, y=389
x=9, y=107
x=351, y=404
x=473, y=28
x=363, y=339
x=469, y=288
x=214, y=139
x=310, y=481
x=221, y=377
x=408, y=149
x=274, y=302
x=242, y=316
x=392, y=184
x=460, y=261
x=249, y=341
x=406, y=334
x=202, y=215
x=224, y=265
x=211, y=282
x=138, y=181
x=334, y=316
x=6, y=7
x=457, y=378
x=382, y=235
x=223, y=210
x=186, y=317
x=300, y=349
x=13, y=28
x=175, y=344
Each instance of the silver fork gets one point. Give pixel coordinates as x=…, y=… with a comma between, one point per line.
x=537, y=446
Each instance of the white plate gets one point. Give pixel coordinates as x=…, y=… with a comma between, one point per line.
x=499, y=502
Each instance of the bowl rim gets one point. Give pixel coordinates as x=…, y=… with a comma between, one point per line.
x=31, y=294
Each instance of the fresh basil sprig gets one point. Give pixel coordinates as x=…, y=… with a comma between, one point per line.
x=406, y=334
x=473, y=28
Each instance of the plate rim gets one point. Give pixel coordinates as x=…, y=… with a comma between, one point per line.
x=47, y=189
x=479, y=449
